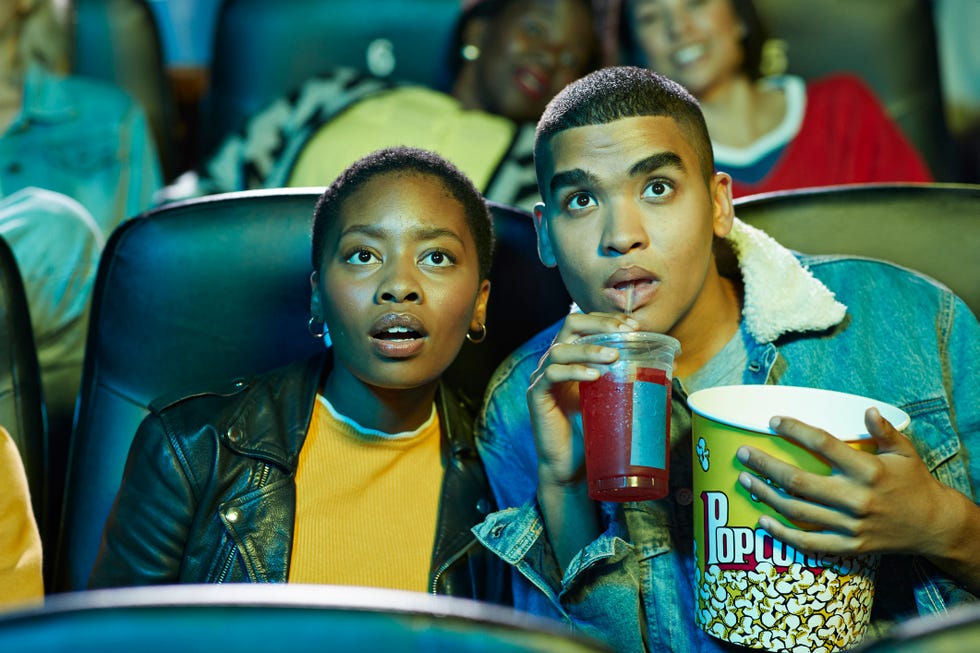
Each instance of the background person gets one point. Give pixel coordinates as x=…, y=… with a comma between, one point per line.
x=631, y=198
x=769, y=132
x=507, y=59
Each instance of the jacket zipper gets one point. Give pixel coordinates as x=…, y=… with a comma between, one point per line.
x=447, y=564
x=263, y=477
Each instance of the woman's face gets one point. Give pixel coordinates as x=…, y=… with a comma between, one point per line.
x=400, y=284
x=530, y=52
x=697, y=43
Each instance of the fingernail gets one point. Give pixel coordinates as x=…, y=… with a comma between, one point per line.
x=774, y=423
x=742, y=454
x=745, y=480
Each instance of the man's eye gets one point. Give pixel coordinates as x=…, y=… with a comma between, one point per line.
x=658, y=189
x=580, y=201
x=438, y=259
x=361, y=257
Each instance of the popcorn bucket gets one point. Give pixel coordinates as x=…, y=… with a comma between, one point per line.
x=752, y=589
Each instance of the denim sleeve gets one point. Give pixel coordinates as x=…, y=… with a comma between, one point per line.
x=503, y=429
x=599, y=593
x=961, y=374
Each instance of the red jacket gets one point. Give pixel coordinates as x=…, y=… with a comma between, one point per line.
x=846, y=137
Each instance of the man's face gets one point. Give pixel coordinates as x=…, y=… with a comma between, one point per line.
x=626, y=204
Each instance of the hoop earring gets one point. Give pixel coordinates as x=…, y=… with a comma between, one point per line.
x=480, y=338
x=470, y=52
x=316, y=332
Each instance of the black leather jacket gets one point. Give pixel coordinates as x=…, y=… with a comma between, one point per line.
x=208, y=495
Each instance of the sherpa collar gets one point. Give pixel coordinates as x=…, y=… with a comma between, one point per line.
x=781, y=296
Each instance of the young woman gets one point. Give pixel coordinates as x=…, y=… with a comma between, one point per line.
x=768, y=132
x=355, y=467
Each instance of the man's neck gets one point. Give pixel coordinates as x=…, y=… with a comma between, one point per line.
x=710, y=324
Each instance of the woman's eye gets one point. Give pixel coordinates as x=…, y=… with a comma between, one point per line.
x=580, y=201
x=658, y=189
x=361, y=257
x=438, y=259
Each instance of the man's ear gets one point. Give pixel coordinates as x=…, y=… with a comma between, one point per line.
x=545, y=252
x=315, y=308
x=723, y=207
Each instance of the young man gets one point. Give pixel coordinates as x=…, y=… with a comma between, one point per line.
x=625, y=167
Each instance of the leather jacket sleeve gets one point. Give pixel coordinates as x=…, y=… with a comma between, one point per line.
x=144, y=537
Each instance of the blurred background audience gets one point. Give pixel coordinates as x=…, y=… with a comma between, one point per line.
x=770, y=132
x=504, y=61
x=74, y=152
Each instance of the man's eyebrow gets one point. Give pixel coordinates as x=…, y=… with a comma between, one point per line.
x=574, y=177
x=656, y=162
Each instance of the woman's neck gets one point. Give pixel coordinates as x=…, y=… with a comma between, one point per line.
x=382, y=409
x=741, y=112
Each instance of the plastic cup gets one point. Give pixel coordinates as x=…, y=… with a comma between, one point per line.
x=752, y=589
x=626, y=417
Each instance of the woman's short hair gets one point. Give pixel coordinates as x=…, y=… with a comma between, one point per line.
x=406, y=159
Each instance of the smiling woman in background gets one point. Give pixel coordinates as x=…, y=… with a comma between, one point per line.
x=506, y=59
x=768, y=132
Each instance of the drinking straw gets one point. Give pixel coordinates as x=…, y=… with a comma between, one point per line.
x=629, y=299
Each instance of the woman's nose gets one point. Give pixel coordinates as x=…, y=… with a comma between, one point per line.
x=400, y=285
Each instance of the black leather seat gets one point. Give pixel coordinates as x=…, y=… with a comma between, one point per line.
x=217, y=287
x=930, y=228
x=305, y=618
x=21, y=398
x=264, y=50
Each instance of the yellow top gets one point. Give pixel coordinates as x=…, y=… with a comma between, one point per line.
x=366, y=503
x=20, y=544
x=414, y=116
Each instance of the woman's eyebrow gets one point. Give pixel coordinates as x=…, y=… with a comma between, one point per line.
x=421, y=233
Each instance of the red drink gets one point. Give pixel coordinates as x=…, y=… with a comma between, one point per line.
x=626, y=419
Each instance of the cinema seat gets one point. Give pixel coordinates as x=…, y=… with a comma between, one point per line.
x=215, y=288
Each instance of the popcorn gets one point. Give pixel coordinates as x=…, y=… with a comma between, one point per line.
x=793, y=609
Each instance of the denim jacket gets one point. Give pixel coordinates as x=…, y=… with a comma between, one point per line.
x=84, y=139
x=842, y=323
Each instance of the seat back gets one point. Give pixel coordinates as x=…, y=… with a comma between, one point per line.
x=117, y=41
x=314, y=618
x=21, y=398
x=215, y=288
x=264, y=50
x=931, y=228
x=890, y=45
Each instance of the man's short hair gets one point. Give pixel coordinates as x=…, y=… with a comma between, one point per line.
x=616, y=92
